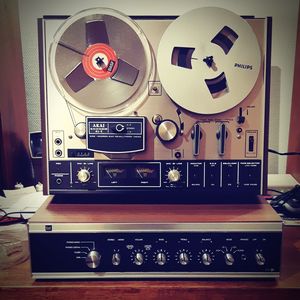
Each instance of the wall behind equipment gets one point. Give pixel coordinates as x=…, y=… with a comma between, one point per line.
x=284, y=14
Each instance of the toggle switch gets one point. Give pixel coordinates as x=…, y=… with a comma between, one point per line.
x=222, y=136
x=240, y=118
x=196, y=136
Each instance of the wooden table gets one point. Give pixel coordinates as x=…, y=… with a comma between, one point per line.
x=16, y=283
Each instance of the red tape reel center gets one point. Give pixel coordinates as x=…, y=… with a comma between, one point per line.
x=100, y=61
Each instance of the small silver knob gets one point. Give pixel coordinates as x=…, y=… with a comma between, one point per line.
x=116, y=259
x=229, y=259
x=184, y=258
x=260, y=259
x=206, y=259
x=161, y=258
x=93, y=259
x=173, y=175
x=138, y=259
x=83, y=175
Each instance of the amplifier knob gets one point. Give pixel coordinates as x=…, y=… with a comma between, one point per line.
x=116, y=259
x=260, y=259
x=83, y=175
x=206, y=259
x=138, y=259
x=167, y=130
x=93, y=259
x=229, y=259
x=173, y=175
x=184, y=258
x=161, y=258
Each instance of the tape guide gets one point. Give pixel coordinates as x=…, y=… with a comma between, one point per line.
x=136, y=105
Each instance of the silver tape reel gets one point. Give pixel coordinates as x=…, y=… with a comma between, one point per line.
x=208, y=60
x=101, y=61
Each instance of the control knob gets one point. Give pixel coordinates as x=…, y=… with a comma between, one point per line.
x=161, y=258
x=116, y=259
x=80, y=130
x=206, y=259
x=173, y=175
x=167, y=131
x=138, y=259
x=260, y=259
x=184, y=258
x=93, y=259
x=83, y=175
x=229, y=259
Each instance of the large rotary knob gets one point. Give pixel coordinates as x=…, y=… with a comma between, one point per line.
x=174, y=175
x=167, y=131
x=83, y=175
x=93, y=259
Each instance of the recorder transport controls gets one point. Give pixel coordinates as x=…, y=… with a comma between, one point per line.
x=134, y=104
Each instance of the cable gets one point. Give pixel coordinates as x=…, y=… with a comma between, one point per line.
x=283, y=153
x=6, y=220
x=276, y=191
x=278, y=201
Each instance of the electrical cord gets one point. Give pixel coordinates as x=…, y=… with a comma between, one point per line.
x=283, y=153
x=5, y=218
x=278, y=202
x=276, y=191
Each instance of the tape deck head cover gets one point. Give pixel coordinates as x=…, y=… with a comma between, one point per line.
x=155, y=104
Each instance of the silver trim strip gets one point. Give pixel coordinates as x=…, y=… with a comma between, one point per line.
x=99, y=275
x=156, y=227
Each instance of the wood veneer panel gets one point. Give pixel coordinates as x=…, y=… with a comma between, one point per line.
x=14, y=144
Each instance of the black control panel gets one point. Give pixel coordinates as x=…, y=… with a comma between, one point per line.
x=232, y=176
x=121, y=254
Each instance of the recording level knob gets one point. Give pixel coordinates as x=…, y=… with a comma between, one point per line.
x=167, y=131
x=229, y=259
x=173, y=175
x=93, y=259
x=184, y=258
x=83, y=175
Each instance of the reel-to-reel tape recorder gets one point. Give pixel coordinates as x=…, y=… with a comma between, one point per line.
x=155, y=103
